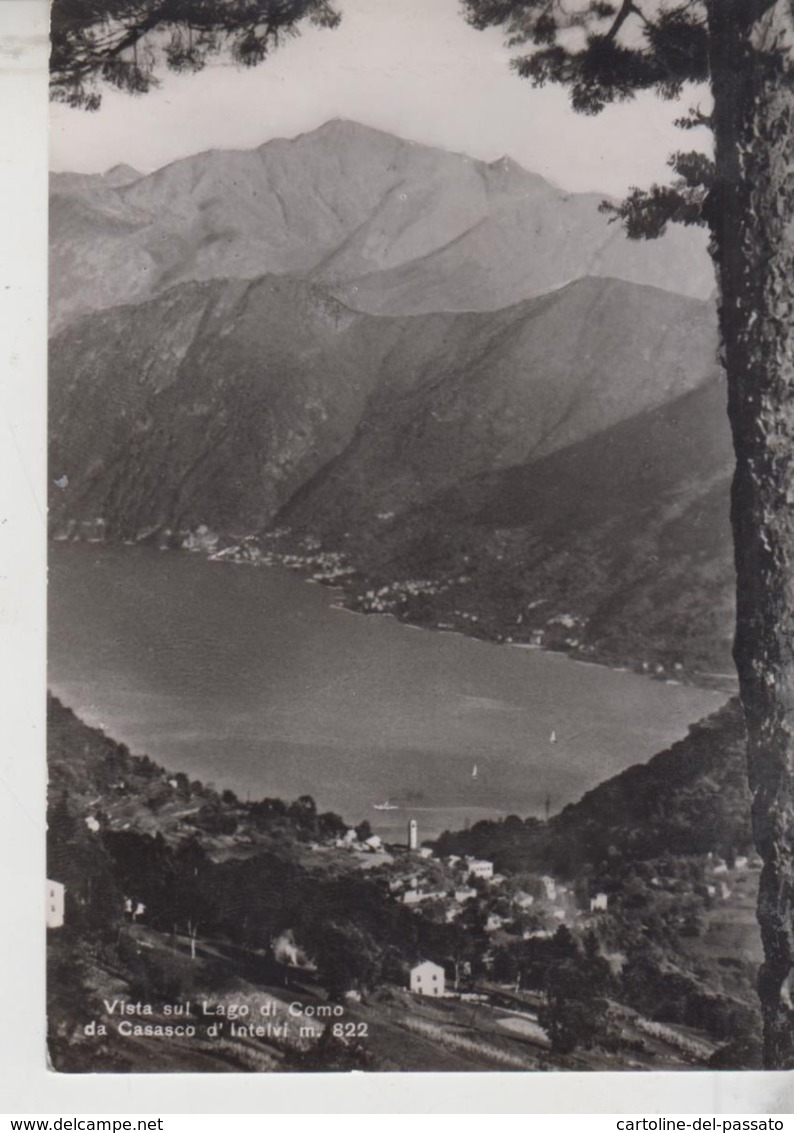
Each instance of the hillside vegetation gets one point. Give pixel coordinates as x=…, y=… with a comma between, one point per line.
x=555, y=471
x=691, y=799
x=178, y=896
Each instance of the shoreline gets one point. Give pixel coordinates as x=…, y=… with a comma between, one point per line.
x=243, y=776
x=357, y=595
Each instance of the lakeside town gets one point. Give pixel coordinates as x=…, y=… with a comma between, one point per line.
x=162, y=891
x=447, y=602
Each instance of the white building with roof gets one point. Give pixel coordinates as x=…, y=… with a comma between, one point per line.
x=415, y=896
x=549, y=887
x=480, y=869
x=412, y=897
x=55, y=894
x=427, y=978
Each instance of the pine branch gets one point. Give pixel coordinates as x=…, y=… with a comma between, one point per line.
x=646, y=213
x=91, y=37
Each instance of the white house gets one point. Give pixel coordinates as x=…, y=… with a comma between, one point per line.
x=425, y=852
x=523, y=900
x=481, y=869
x=374, y=842
x=55, y=903
x=414, y=896
x=427, y=978
x=465, y=893
x=599, y=903
x=549, y=887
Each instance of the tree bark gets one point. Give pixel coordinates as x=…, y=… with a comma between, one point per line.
x=752, y=221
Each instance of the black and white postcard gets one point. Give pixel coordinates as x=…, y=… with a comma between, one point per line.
x=393, y=719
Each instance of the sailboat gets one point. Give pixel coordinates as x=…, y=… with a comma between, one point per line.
x=474, y=771
x=566, y=739
x=385, y=806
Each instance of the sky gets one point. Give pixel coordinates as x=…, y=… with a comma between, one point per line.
x=412, y=67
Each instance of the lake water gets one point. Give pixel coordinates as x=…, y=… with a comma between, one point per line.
x=250, y=678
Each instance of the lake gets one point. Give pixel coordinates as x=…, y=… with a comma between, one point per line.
x=251, y=678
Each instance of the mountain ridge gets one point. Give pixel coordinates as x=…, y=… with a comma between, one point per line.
x=274, y=342
x=247, y=406
x=605, y=548
x=392, y=225
x=355, y=337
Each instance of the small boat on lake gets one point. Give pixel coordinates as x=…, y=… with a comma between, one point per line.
x=385, y=806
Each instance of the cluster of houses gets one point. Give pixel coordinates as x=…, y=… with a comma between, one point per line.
x=458, y=884
x=555, y=900
x=714, y=883
x=323, y=566
x=386, y=598
x=351, y=841
x=414, y=891
x=416, y=878
x=463, y=879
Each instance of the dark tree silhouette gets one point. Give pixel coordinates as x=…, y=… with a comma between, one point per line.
x=123, y=43
x=605, y=52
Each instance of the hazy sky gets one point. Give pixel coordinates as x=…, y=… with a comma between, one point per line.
x=412, y=67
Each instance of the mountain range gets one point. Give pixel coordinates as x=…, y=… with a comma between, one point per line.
x=437, y=367
x=390, y=226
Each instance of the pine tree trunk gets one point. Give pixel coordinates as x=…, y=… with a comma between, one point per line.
x=752, y=218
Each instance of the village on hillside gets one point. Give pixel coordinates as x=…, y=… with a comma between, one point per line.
x=165, y=897
x=447, y=600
